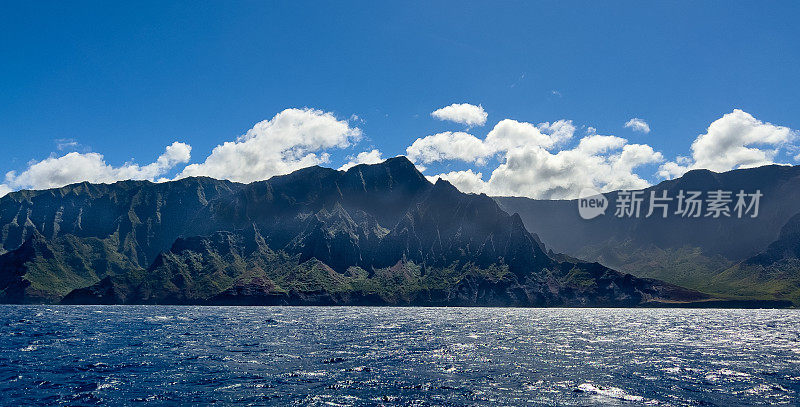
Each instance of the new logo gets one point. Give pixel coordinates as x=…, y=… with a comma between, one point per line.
x=591, y=203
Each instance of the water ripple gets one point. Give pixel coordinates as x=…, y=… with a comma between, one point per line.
x=353, y=356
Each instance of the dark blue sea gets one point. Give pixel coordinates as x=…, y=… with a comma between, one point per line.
x=353, y=356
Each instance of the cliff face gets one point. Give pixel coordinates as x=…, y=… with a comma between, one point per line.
x=140, y=218
x=723, y=255
x=375, y=234
x=773, y=273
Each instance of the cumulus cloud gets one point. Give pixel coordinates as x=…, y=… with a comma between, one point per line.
x=543, y=161
x=605, y=163
x=506, y=135
x=449, y=146
x=75, y=167
x=534, y=163
x=639, y=125
x=558, y=131
x=466, y=181
x=736, y=140
x=365, y=157
x=510, y=134
x=293, y=139
x=529, y=166
x=465, y=113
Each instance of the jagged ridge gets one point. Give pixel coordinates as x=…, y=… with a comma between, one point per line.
x=375, y=234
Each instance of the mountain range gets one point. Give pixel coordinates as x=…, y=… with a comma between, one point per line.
x=377, y=234
x=747, y=257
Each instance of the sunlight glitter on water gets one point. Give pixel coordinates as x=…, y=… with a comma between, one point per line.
x=422, y=356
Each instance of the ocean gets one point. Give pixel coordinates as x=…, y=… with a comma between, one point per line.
x=354, y=356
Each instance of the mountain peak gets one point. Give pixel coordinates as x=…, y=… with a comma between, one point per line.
x=400, y=167
x=443, y=183
x=399, y=160
x=396, y=172
x=304, y=231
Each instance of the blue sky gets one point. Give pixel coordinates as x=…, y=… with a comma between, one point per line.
x=125, y=81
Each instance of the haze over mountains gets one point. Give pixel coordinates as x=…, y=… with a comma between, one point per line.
x=375, y=234
x=714, y=255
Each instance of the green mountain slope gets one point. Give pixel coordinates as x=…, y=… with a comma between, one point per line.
x=705, y=253
x=375, y=234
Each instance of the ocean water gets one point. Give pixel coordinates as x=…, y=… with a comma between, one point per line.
x=341, y=356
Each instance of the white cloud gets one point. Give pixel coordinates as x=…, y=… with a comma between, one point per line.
x=595, y=143
x=542, y=161
x=449, y=146
x=559, y=131
x=365, y=157
x=528, y=166
x=601, y=162
x=466, y=181
x=736, y=140
x=465, y=113
x=75, y=167
x=506, y=135
x=293, y=139
x=639, y=125
x=509, y=134
x=176, y=153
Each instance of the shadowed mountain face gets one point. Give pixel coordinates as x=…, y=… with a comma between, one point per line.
x=691, y=252
x=140, y=218
x=786, y=247
x=375, y=234
x=773, y=273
